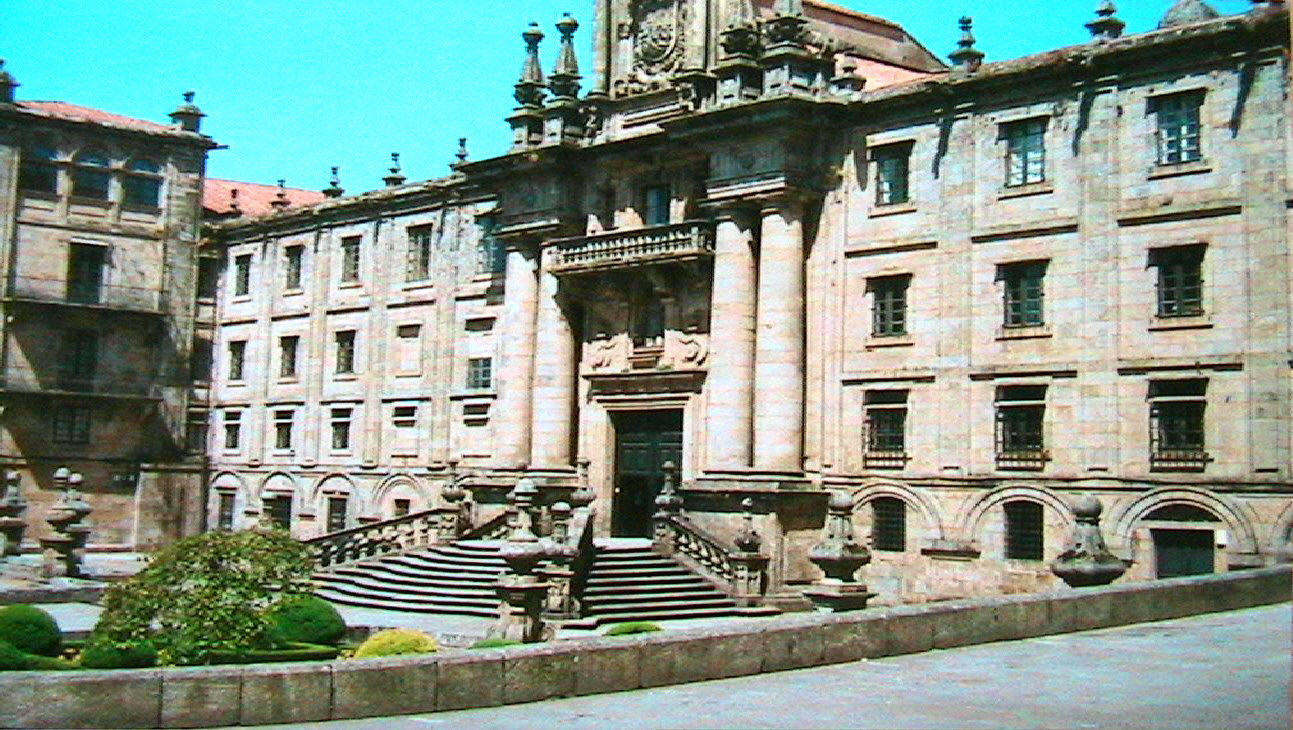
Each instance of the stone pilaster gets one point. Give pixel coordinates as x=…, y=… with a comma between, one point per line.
x=779, y=348
x=730, y=384
x=515, y=374
x=554, y=380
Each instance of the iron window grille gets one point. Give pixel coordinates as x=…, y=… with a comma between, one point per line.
x=892, y=173
x=1025, y=531
x=350, y=253
x=283, y=429
x=237, y=359
x=91, y=176
x=1177, y=439
x=341, y=429
x=288, y=348
x=71, y=425
x=1025, y=151
x=889, y=305
x=1021, y=414
x=242, y=275
x=888, y=524
x=232, y=430
x=142, y=185
x=346, y=352
x=39, y=170
x=886, y=429
x=1023, y=293
x=421, y=244
x=1178, y=129
x=480, y=375
x=1180, y=280
x=293, y=258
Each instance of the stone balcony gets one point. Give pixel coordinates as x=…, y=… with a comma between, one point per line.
x=671, y=243
x=92, y=295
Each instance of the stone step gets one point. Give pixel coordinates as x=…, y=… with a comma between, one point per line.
x=637, y=611
x=356, y=592
x=645, y=562
x=617, y=592
x=422, y=587
x=445, y=559
x=655, y=597
x=391, y=604
x=424, y=565
x=639, y=581
x=407, y=571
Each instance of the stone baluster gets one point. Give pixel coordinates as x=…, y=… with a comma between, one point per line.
x=668, y=505
x=521, y=518
x=839, y=556
x=12, y=507
x=450, y=524
x=1086, y=560
x=749, y=564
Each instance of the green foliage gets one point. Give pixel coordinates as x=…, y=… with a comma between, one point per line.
x=210, y=592
x=632, y=627
x=104, y=653
x=293, y=652
x=13, y=659
x=49, y=664
x=309, y=619
x=394, y=642
x=30, y=630
x=495, y=643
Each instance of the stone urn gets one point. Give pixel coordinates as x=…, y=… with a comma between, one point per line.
x=1087, y=561
x=839, y=556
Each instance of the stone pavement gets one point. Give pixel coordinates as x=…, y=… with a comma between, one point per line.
x=1226, y=670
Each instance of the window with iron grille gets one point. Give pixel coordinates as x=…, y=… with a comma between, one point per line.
x=283, y=420
x=337, y=513
x=242, y=275
x=1180, y=280
x=224, y=512
x=491, y=254
x=480, y=373
x=1176, y=424
x=656, y=200
x=293, y=256
x=1023, y=293
x=1025, y=151
x=1025, y=532
x=142, y=184
x=1178, y=133
x=345, y=352
x=889, y=305
x=350, y=252
x=421, y=244
x=39, y=170
x=279, y=509
x=71, y=424
x=341, y=428
x=287, y=355
x=888, y=524
x=232, y=430
x=78, y=359
x=886, y=429
x=1021, y=412
x=237, y=358
x=892, y=164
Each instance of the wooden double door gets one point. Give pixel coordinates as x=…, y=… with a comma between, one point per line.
x=644, y=441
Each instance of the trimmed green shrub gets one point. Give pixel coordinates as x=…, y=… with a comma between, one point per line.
x=11, y=659
x=394, y=642
x=632, y=627
x=308, y=619
x=293, y=652
x=104, y=653
x=49, y=664
x=30, y=630
x=495, y=643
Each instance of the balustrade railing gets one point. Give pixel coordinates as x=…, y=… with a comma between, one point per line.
x=641, y=245
x=741, y=573
x=409, y=532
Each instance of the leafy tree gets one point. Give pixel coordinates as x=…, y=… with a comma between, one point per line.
x=210, y=592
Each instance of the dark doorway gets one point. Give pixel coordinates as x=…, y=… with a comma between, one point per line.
x=644, y=441
x=1182, y=552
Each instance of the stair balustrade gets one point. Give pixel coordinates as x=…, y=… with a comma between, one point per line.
x=408, y=532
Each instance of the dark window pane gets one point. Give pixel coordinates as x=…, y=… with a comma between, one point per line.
x=889, y=524
x=1025, y=538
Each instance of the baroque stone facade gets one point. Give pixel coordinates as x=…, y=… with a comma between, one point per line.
x=784, y=246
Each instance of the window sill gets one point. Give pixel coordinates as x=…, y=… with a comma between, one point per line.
x=289, y=380
x=884, y=210
x=350, y=285
x=1169, y=324
x=240, y=298
x=345, y=377
x=880, y=343
x=408, y=375
x=41, y=194
x=146, y=209
x=419, y=284
x=488, y=278
x=1038, y=332
x=469, y=394
x=238, y=383
x=293, y=292
x=1025, y=191
x=96, y=202
x=1179, y=169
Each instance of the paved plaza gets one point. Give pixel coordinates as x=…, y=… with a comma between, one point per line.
x=1228, y=670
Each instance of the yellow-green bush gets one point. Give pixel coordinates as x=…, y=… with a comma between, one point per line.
x=395, y=642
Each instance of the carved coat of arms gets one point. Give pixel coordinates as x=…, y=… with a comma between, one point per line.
x=660, y=34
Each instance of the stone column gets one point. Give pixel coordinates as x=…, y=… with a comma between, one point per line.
x=552, y=418
x=515, y=374
x=779, y=352
x=730, y=383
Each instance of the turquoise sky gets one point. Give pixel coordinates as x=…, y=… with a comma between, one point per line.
x=293, y=87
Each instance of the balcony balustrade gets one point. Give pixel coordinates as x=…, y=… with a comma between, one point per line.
x=689, y=240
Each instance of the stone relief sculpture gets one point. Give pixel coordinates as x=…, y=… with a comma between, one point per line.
x=606, y=353
x=686, y=350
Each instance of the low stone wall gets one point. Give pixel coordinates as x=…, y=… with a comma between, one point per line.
x=307, y=692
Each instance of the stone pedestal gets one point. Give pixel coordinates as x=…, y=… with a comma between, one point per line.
x=64, y=549
x=1086, y=560
x=522, y=594
x=839, y=557
x=730, y=384
x=779, y=352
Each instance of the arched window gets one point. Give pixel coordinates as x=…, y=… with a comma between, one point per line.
x=39, y=170
x=1025, y=532
x=888, y=524
x=142, y=186
x=90, y=176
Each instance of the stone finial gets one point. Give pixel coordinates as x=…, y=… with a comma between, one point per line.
x=668, y=502
x=787, y=27
x=584, y=495
x=522, y=500
x=966, y=56
x=12, y=507
x=748, y=539
x=396, y=178
x=1185, y=12
x=334, y=189
x=461, y=155
x=187, y=115
x=565, y=77
x=1106, y=25
x=529, y=90
x=452, y=492
x=7, y=84
x=839, y=556
x=234, y=206
x=847, y=81
x=1086, y=560
x=280, y=200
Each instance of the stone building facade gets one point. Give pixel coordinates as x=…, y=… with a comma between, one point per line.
x=785, y=247
x=99, y=219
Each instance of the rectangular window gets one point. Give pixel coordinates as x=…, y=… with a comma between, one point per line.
x=78, y=360
x=886, y=429
x=418, y=266
x=892, y=163
x=1023, y=293
x=71, y=425
x=1025, y=531
x=141, y=191
x=889, y=305
x=237, y=359
x=655, y=205
x=224, y=512
x=1178, y=128
x=39, y=171
x=341, y=429
x=232, y=430
x=405, y=421
x=1025, y=151
x=90, y=178
x=293, y=256
x=350, y=251
x=1021, y=412
x=1180, y=280
x=402, y=507
x=1176, y=433
x=279, y=509
x=345, y=352
x=408, y=349
x=491, y=254
x=337, y=514
x=242, y=275
x=85, y=273
x=889, y=524
x=283, y=420
x=195, y=432
x=200, y=364
x=208, y=277
x=287, y=355
x=480, y=373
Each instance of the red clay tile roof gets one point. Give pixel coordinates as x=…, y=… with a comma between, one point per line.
x=63, y=110
x=253, y=199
